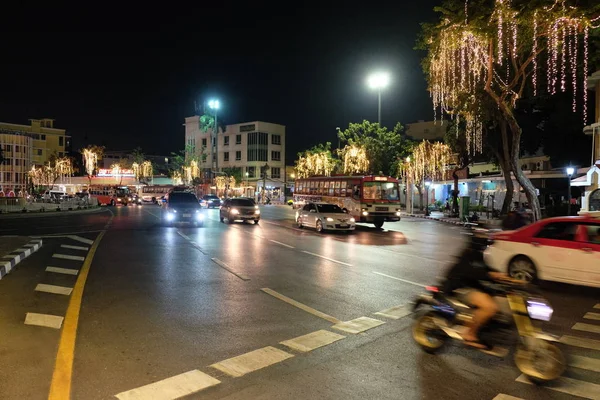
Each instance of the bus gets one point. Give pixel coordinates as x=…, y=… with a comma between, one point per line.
x=154, y=193
x=369, y=199
x=110, y=195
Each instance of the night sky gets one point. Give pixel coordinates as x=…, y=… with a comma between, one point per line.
x=305, y=68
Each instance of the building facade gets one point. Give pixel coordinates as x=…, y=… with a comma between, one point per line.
x=427, y=130
x=250, y=146
x=26, y=145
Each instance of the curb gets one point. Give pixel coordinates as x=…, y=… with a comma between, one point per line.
x=9, y=262
x=38, y=214
x=444, y=220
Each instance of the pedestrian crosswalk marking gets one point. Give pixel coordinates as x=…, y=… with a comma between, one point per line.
x=45, y=320
x=42, y=287
x=68, y=246
x=68, y=257
x=252, y=361
x=597, y=306
x=580, y=326
x=396, y=312
x=174, y=387
x=503, y=396
x=312, y=340
x=358, y=325
x=581, y=342
x=592, y=315
x=591, y=364
x=66, y=271
x=570, y=386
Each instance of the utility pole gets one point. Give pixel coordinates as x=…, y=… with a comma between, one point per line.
x=264, y=169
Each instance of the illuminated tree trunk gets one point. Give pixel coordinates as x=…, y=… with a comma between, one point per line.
x=455, y=192
x=504, y=161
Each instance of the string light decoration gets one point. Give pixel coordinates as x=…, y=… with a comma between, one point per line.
x=427, y=161
x=116, y=171
x=320, y=163
x=355, y=160
x=47, y=175
x=221, y=182
x=90, y=160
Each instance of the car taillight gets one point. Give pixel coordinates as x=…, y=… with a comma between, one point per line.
x=433, y=289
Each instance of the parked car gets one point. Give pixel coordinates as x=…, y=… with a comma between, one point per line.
x=239, y=208
x=182, y=207
x=210, y=201
x=325, y=216
x=562, y=249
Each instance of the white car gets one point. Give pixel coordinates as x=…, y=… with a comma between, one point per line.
x=324, y=216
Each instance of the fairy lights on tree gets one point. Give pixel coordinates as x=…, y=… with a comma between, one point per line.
x=428, y=160
x=355, y=159
x=315, y=161
x=142, y=171
x=91, y=155
x=55, y=169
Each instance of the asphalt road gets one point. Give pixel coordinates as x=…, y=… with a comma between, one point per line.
x=171, y=306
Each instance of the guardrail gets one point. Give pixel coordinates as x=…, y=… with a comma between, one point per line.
x=21, y=205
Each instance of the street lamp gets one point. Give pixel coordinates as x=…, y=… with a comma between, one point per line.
x=427, y=184
x=570, y=172
x=215, y=105
x=379, y=81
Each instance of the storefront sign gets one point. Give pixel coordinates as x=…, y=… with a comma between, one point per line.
x=107, y=173
x=247, y=128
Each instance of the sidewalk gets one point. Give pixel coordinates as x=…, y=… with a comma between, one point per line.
x=40, y=214
x=439, y=216
x=14, y=249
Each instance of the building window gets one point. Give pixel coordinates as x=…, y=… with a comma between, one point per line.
x=226, y=156
x=39, y=152
x=275, y=156
x=238, y=139
x=8, y=148
x=275, y=139
x=225, y=140
x=61, y=141
x=251, y=172
x=258, y=146
x=238, y=156
x=204, y=142
x=17, y=149
x=275, y=173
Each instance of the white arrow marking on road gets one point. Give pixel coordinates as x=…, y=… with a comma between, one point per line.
x=399, y=279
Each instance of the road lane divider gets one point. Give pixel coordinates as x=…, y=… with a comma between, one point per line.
x=327, y=258
x=228, y=269
x=358, y=325
x=54, y=289
x=252, y=361
x=183, y=235
x=68, y=257
x=396, y=312
x=571, y=386
x=66, y=271
x=171, y=388
x=282, y=244
x=68, y=246
x=311, y=341
x=399, y=279
x=60, y=387
x=301, y=306
x=45, y=320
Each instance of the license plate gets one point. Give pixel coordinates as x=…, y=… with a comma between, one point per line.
x=343, y=226
x=187, y=215
x=381, y=208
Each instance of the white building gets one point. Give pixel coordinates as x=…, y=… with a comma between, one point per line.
x=248, y=146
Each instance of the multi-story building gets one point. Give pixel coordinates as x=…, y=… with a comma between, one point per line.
x=427, y=130
x=250, y=146
x=27, y=145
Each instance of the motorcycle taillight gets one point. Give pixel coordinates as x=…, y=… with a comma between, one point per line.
x=433, y=289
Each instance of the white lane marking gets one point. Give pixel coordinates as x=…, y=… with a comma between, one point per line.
x=151, y=213
x=49, y=321
x=68, y=257
x=301, y=306
x=503, y=396
x=570, y=386
x=68, y=246
x=581, y=342
x=312, y=340
x=282, y=244
x=580, y=326
x=358, y=325
x=592, y=315
x=227, y=268
x=183, y=235
x=252, y=361
x=399, y=279
x=81, y=239
x=42, y=287
x=174, y=387
x=396, y=312
x=597, y=306
x=326, y=258
x=591, y=364
x=66, y=271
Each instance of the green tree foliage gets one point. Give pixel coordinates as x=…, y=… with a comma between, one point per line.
x=318, y=160
x=235, y=172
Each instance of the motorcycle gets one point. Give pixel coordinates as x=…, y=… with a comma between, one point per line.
x=536, y=355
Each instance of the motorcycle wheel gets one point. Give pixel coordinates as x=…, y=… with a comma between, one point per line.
x=427, y=334
x=543, y=364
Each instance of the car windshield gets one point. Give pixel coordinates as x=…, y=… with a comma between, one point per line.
x=329, y=208
x=122, y=192
x=211, y=197
x=242, y=202
x=381, y=191
x=182, y=198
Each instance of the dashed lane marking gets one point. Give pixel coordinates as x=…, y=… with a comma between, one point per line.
x=42, y=287
x=282, y=244
x=592, y=315
x=68, y=246
x=503, y=396
x=591, y=364
x=171, y=388
x=252, y=361
x=301, y=306
x=570, y=386
x=46, y=320
x=227, y=268
x=358, y=325
x=68, y=257
x=399, y=279
x=81, y=239
x=580, y=326
x=581, y=342
x=66, y=271
x=396, y=312
x=183, y=235
x=312, y=340
x=327, y=258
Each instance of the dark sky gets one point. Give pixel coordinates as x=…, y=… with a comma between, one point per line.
x=305, y=68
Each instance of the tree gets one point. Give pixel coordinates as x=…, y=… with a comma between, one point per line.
x=384, y=149
x=48, y=174
x=355, y=159
x=234, y=172
x=91, y=154
x=317, y=160
x=501, y=51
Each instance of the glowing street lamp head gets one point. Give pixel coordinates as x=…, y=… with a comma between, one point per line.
x=214, y=104
x=378, y=80
x=570, y=171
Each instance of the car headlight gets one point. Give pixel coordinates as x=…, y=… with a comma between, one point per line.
x=199, y=216
x=329, y=219
x=234, y=211
x=365, y=213
x=256, y=207
x=397, y=213
x=352, y=219
x=256, y=211
x=170, y=217
x=174, y=211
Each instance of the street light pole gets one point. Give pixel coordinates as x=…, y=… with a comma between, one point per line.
x=214, y=105
x=379, y=106
x=379, y=81
x=427, y=184
x=570, y=172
